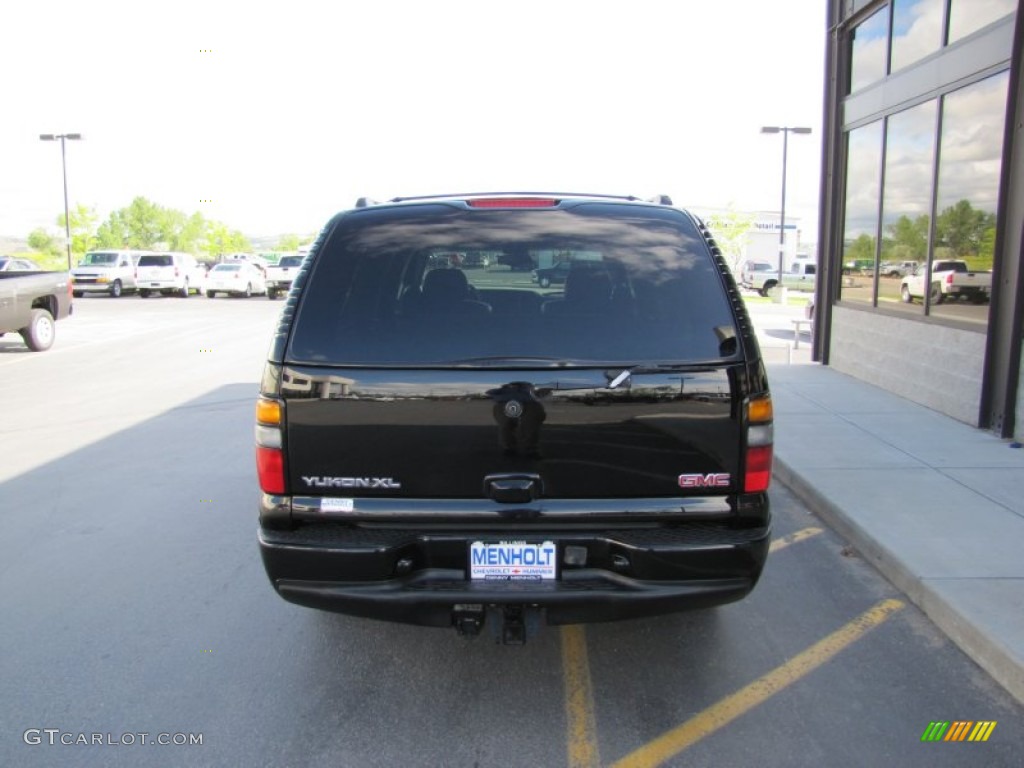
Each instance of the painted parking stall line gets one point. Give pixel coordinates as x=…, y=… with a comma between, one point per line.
x=582, y=749
x=728, y=709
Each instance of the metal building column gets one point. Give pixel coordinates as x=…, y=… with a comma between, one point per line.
x=998, y=410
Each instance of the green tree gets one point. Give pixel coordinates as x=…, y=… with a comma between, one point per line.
x=862, y=249
x=287, y=243
x=41, y=240
x=910, y=235
x=112, y=233
x=966, y=231
x=730, y=230
x=190, y=233
x=144, y=223
x=221, y=240
x=83, y=229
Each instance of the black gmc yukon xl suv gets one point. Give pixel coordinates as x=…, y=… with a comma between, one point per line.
x=455, y=446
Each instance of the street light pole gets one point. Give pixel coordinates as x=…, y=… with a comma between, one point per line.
x=785, y=130
x=64, y=167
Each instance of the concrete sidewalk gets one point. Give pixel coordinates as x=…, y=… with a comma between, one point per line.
x=937, y=506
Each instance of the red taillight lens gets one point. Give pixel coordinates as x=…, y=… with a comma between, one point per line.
x=270, y=469
x=949, y=279
x=759, y=469
x=513, y=202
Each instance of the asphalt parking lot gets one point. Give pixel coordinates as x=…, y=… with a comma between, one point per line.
x=134, y=602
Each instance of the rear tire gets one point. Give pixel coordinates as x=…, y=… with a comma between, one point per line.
x=905, y=295
x=936, y=295
x=184, y=290
x=210, y=294
x=116, y=289
x=143, y=294
x=248, y=291
x=38, y=334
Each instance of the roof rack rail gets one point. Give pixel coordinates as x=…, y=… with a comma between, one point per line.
x=660, y=200
x=366, y=202
x=511, y=194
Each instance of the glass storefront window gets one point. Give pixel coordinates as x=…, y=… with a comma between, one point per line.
x=967, y=16
x=870, y=50
x=916, y=30
x=970, y=158
x=860, y=230
x=906, y=199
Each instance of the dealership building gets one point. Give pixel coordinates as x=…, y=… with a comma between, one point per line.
x=923, y=153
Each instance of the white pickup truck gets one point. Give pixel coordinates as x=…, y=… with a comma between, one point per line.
x=950, y=279
x=800, y=276
x=280, y=275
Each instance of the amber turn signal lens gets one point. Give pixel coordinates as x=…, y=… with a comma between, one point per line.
x=759, y=410
x=268, y=411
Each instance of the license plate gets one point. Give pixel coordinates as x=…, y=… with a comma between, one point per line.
x=512, y=561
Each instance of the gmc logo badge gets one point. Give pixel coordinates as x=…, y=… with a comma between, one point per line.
x=711, y=480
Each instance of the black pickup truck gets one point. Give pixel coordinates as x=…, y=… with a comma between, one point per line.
x=30, y=303
x=464, y=448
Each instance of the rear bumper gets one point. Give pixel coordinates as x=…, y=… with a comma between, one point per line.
x=421, y=577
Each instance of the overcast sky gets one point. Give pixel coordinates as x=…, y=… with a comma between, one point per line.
x=281, y=114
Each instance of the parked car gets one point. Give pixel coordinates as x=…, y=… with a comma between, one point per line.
x=170, y=274
x=899, y=268
x=279, y=276
x=11, y=264
x=555, y=275
x=111, y=272
x=30, y=304
x=235, y=278
x=950, y=279
x=453, y=447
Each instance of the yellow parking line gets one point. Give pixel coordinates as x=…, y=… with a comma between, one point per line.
x=793, y=538
x=728, y=709
x=579, y=700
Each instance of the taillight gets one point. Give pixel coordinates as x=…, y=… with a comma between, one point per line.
x=760, y=439
x=949, y=279
x=269, y=448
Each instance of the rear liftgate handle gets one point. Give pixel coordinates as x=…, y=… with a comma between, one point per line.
x=513, y=488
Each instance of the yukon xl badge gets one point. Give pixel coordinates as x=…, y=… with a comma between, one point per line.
x=710, y=480
x=351, y=482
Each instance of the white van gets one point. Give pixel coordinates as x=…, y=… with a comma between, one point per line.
x=107, y=271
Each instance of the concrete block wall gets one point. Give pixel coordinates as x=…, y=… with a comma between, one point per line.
x=934, y=365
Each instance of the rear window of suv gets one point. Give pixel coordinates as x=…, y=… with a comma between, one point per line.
x=441, y=285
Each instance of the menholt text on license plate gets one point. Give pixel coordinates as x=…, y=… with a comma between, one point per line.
x=512, y=560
